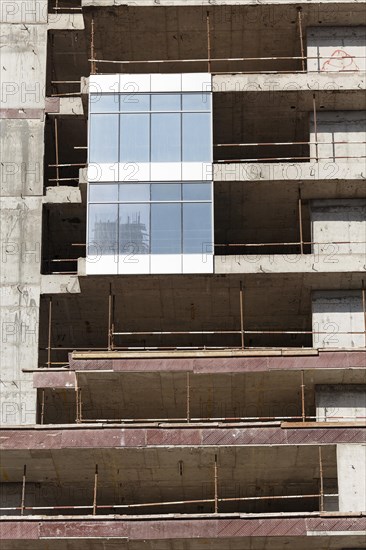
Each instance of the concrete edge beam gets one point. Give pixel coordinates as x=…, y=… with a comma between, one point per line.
x=62, y=194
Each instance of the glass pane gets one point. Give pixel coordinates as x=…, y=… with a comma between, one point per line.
x=103, y=138
x=135, y=102
x=165, y=138
x=103, y=193
x=134, y=192
x=197, y=228
x=197, y=102
x=166, y=229
x=165, y=192
x=197, y=142
x=134, y=228
x=196, y=191
x=134, y=138
x=104, y=103
x=166, y=102
x=102, y=234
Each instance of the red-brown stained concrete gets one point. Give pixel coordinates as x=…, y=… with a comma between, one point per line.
x=325, y=360
x=87, y=438
x=178, y=529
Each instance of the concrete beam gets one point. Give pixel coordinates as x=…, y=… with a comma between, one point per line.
x=64, y=105
x=60, y=284
x=290, y=82
x=294, y=263
x=62, y=194
x=145, y=362
x=284, y=171
x=184, y=529
x=82, y=437
x=66, y=21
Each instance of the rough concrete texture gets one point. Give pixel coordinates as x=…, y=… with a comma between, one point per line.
x=351, y=464
x=338, y=313
x=341, y=137
x=335, y=403
x=23, y=60
x=336, y=48
x=342, y=222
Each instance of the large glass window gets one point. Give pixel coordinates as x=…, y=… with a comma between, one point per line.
x=151, y=218
x=160, y=127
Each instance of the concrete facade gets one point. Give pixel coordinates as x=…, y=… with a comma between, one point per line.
x=149, y=408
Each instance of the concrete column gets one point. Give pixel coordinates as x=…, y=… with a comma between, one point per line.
x=340, y=402
x=23, y=66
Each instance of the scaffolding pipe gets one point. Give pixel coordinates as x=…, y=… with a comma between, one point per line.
x=49, y=331
x=300, y=224
x=208, y=42
x=110, y=318
x=303, y=416
x=22, y=507
x=56, y=150
x=315, y=129
x=188, y=397
x=95, y=490
x=216, y=486
x=241, y=315
x=93, y=62
x=321, y=480
x=42, y=406
x=225, y=59
x=299, y=18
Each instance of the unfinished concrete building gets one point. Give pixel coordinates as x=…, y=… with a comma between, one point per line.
x=183, y=190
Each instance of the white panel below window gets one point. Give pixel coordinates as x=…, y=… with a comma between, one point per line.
x=166, y=82
x=102, y=172
x=102, y=265
x=134, y=83
x=196, y=171
x=166, y=263
x=107, y=83
x=196, y=82
x=134, y=171
x=130, y=264
x=166, y=171
x=197, y=263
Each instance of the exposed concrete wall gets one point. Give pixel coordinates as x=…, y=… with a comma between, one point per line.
x=341, y=137
x=351, y=466
x=337, y=221
x=337, y=314
x=23, y=66
x=336, y=48
x=340, y=402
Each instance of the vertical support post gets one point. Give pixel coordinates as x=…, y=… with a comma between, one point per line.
x=22, y=505
x=303, y=416
x=299, y=202
x=216, y=486
x=93, y=67
x=321, y=480
x=315, y=129
x=42, y=406
x=49, y=333
x=77, y=418
x=208, y=42
x=188, y=397
x=241, y=315
x=110, y=305
x=95, y=490
x=299, y=19
x=56, y=152
x=364, y=307
x=80, y=406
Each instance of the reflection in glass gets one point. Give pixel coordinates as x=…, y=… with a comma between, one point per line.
x=134, y=226
x=165, y=192
x=135, y=102
x=166, y=102
x=104, y=103
x=104, y=192
x=165, y=138
x=134, y=192
x=196, y=191
x=134, y=138
x=197, y=102
x=102, y=233
x=197, y=227
x=166, y=229
x=103, y=142
x=197, y=146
